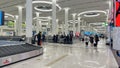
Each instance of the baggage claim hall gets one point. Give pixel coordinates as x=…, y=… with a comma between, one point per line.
x=59, y=33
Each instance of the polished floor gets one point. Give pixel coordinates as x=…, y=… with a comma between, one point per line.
x=71, y=56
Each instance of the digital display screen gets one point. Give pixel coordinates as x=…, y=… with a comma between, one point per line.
x=1, y=18
x=117, y=8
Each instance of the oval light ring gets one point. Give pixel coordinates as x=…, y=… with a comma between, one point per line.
x=98, y=11
x=45, y=2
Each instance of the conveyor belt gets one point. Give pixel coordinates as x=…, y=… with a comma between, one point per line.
x=12, y=38
x=12, y=50
x=10, y=43
x=15, y=53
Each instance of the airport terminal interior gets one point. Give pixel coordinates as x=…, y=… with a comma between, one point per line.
x=59, y=33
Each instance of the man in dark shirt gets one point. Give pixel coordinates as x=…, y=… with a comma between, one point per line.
x=39, y=38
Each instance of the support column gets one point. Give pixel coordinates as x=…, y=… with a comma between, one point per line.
x=74, y=28
x=49, y=25
x=57, y=26
x=66, y=20
x=63, y=28
x=16, y=25
x=20, y=21
x=37, y=22
x=78, y=24
x=116, y=38
x=40, y=25
x=29, y=20
x=85, y=24
x=54, y=17
x=1, y=31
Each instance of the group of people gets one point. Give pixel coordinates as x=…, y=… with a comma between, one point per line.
x=93, y=39
x=66, y=39
x=55, y=38
x=40, y=38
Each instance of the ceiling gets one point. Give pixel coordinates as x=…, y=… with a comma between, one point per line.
x=76, y=6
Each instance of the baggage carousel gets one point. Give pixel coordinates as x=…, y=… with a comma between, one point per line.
x=13, y=51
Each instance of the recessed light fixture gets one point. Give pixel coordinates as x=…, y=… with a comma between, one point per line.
x=44, y=2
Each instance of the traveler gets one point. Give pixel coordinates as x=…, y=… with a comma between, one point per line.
x=86, y=41
x=96, y=38
x=43, y=37
x=68, y=39
x=39, y=38
x=91, y=40
x=54, y=38
x=71, y=38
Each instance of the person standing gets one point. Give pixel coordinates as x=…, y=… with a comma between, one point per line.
x=43, y=37
x=67, y=39
x=96, y=40
x=39, y=38
x=54, y=38
x=71, y=39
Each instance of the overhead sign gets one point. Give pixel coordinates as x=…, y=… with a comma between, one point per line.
x=1, y=18
x=117, y=14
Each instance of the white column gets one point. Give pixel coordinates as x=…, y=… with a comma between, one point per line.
x=85, y=24
x=57, y=26
x=78, y=24
x=49, y=25
x=40, y=25
x=116, y=38
x=82, y=22
x=20, y=21
x=66, y=20
x=16, y=25
x=62, y=29
x=1, y=32
x=53, y=17
x=29, y=20
x=37, y=21
x=74, y=18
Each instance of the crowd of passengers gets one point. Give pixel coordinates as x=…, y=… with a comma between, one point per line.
x=66, y=39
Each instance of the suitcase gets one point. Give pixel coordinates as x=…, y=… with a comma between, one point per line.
x=95, y=45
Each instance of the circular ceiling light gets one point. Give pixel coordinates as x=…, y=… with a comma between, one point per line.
x=42, y=17
x=7, y=14
x=45, y=8
x=92, y=11
x=91, y=15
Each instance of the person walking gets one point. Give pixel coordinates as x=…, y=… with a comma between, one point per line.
x=91, y=40
x=39, y=38
x=96, y=39
x=86, y=41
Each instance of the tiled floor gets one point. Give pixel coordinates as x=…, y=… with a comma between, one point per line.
x=71, y=56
